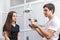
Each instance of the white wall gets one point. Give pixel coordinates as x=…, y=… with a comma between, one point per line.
x=1, y=2
x=4, y=6
x=22, y=18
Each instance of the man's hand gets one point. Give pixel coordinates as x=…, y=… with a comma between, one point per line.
x=33, y=24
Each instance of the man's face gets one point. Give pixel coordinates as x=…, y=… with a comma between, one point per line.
x=47, y=12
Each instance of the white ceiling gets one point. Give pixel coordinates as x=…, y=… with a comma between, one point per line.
x=17, y=2
x=30, y=0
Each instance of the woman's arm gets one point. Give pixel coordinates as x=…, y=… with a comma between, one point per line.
x=6, y=36
x=18, y=36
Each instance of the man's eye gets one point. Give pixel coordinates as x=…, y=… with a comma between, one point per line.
x=45, y=10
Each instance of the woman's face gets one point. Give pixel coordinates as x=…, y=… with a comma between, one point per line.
x=14, y=17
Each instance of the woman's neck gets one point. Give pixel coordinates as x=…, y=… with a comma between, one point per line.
x=13, y=23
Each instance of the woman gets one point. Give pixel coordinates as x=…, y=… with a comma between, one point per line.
x=10, y=28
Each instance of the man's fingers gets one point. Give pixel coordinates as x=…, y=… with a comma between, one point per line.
x=30, y=25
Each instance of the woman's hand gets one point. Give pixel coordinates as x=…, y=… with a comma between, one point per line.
x=6, y=35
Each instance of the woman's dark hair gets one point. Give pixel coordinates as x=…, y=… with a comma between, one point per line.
x=7, y=25
x=50, y=6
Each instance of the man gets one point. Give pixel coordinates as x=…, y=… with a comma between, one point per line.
x=52, y=26
x=59, y=37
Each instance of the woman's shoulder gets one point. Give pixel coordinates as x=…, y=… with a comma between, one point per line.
x=17, y=25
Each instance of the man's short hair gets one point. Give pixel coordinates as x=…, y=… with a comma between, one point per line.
x=50, y=6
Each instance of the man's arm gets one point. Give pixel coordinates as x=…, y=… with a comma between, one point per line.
x=37, y=29
x=39, y=32
x=48, y=34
